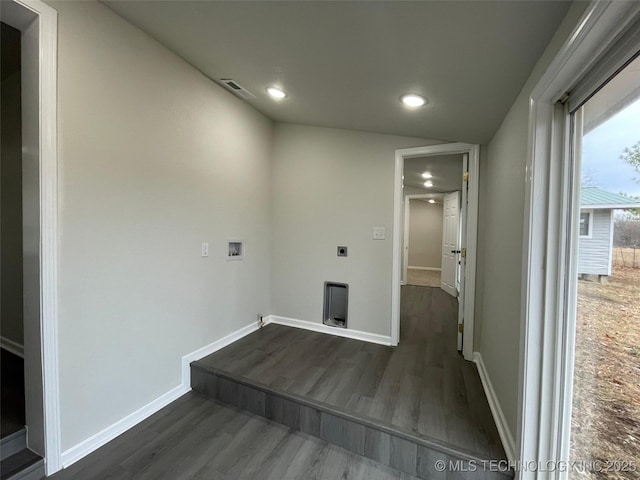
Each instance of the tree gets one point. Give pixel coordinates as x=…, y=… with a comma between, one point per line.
x=631, y=155
x=626, y=232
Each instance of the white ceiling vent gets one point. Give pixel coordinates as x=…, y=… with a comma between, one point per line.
x=236, y=88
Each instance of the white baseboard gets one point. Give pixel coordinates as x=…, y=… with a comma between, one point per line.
x=94, y=442
x=506, y=436
x=431, y=269
x=340, y=332
x=11, y=346
x=211, y=348
x=84, y=448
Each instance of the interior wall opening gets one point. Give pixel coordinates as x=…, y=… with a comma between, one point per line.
x=445, y=175
x=33, y=156
x=433, y=225
x=11, y=224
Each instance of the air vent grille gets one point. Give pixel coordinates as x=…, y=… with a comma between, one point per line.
x=236, y=88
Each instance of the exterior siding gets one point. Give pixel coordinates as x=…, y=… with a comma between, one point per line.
x=594, y=254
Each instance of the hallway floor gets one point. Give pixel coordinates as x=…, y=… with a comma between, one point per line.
x=422, y=387
x=423, y=278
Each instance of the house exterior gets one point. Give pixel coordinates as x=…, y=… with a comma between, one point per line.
x=595, y=251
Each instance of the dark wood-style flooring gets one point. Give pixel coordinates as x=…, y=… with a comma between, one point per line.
x=422, y=387
x=199, y=438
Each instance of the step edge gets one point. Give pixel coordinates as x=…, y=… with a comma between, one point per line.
x=369, y=422
x=13, y=443
x=26, y=468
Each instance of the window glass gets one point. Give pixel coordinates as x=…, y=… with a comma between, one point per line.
x=584, y=224
x=605, y=421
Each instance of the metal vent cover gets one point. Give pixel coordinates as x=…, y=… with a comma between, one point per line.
x=236, y=88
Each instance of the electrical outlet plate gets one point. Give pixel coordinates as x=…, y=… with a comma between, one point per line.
x=379, y=233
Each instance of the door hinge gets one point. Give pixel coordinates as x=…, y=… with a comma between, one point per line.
x=465, y=177
x=463, y=253
x=461, y=327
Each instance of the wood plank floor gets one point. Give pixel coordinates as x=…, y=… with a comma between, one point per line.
x=198, y=438
x=423, y=387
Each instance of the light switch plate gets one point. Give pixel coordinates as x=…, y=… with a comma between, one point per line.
x=379, y=233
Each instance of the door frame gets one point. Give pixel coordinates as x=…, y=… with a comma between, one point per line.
x=472, y=234
x=405, y=236
x=546, y=344
x=16, y=12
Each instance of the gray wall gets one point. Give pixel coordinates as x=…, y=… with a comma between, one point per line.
x=425, y=234
x=154, y=158
x=594, y=254
x=11, y=188
x=330, y=188
x=499, y=276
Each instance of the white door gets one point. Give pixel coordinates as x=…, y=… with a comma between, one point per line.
x=450, y=243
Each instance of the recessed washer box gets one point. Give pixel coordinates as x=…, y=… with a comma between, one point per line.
x=235, y=250
x=336, y=304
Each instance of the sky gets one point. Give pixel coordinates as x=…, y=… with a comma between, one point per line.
x=601, y=149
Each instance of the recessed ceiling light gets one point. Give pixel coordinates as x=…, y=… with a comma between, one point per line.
x=276, y=93
x=413, y=100
x=427, y=175
x=428, y=183
x=432, y=200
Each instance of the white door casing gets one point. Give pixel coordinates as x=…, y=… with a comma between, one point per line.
x=405, y=249
x=450, y=242
x=471, y=221
x=43, y=36
x=462, y=257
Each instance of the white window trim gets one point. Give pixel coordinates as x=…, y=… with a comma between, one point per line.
x=590, y=231
x=546, y=346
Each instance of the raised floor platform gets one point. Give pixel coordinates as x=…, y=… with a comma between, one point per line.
x=405, y=406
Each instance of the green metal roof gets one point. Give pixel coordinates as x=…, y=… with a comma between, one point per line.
x=595, y=197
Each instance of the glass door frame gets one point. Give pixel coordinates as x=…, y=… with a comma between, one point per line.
x=550, y=247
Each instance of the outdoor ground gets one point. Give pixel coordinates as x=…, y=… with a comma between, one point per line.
x=606, y=405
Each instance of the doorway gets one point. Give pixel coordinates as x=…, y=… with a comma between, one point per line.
x=37, y=27
x=605, y=40
x=462, y=277
x=432, y=186
x=422, y=252
x=11, y=231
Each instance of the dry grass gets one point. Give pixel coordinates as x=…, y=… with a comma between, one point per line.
x=606, y=406
x=626, y=257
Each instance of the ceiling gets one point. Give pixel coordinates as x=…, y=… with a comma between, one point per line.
x=346, y=64
x=446, y=171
